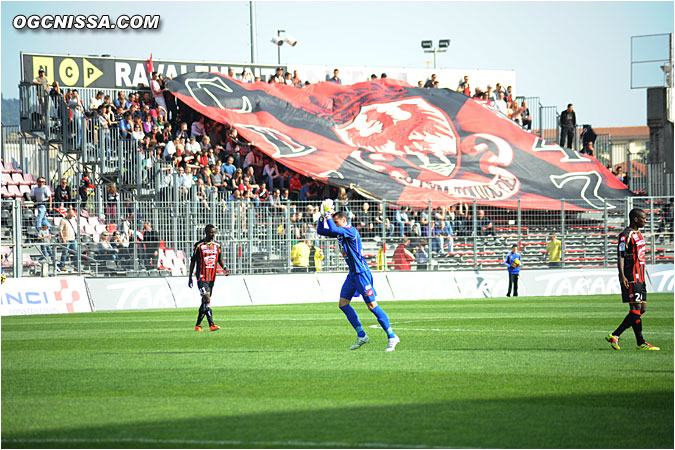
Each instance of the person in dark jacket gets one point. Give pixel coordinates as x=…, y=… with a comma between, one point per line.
x=568, y=123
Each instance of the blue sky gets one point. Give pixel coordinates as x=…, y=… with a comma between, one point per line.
x=563, y=52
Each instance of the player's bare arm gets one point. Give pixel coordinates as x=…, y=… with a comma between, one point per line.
x=193, y=262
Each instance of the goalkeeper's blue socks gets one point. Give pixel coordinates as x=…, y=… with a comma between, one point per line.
x=383, y=320
x=353, y=319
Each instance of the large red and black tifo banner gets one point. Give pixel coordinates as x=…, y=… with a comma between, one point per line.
x=409, y=145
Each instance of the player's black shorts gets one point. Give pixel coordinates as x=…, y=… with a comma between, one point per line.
x=205, y=287
x=636, y=292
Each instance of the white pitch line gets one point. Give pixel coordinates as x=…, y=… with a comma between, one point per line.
x=267, y=444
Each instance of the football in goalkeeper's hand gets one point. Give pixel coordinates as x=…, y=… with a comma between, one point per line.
x=327, y=207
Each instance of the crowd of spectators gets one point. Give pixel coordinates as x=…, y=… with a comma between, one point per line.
x=502, y=99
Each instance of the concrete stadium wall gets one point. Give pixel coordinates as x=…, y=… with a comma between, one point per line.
x=79, y=294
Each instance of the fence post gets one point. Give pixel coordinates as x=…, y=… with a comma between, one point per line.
x=519, y=220
x=249, y=244
x=629, y=206
x=563, y=236
x=651, y=231
x=384, y=234
x=18, y=249
x=606, y=231
x=428, y=237
x=287, y=233
x=475, y=236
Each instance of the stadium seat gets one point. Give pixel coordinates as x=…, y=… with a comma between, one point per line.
x=8, y=168
x=18, y=178
x=4, y=192
x=14, y=191
x=28, y=261
x=8, y=179
x=24, y=189
x=29, y=179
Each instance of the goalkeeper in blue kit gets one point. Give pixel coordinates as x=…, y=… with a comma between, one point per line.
x=359, y=280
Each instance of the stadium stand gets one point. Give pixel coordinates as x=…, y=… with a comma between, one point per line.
x=256, y=238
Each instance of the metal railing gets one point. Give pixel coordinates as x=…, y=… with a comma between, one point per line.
x=257, y=237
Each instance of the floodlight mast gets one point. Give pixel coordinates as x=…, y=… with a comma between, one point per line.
x=428, y=47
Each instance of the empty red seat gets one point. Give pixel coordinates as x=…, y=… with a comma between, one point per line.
x=29, y=179
x=7, y=179
x=28, y=261
x=14, y=190
x=18, y=178
x=8, y=167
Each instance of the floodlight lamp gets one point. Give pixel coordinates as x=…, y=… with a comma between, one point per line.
x=277, y=40
x=427, y=44
x=290, y=40
x=444, y=43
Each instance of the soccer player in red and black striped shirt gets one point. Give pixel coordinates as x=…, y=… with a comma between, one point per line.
x=206, y=256
x=631, y=255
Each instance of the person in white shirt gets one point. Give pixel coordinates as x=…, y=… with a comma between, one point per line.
x=273, y=176
x=500, y=104
x=198, y=130
x=169, y=150
x=95, y=102
x=193, y=146
x=253, y=158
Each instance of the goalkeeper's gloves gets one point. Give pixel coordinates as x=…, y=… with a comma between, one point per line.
x=327, y=208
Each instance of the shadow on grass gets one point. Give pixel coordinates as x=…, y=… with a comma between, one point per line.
x=617, y=420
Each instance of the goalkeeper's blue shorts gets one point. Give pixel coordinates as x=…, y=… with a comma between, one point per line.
x=359, y=284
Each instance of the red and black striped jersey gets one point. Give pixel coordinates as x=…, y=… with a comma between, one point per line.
x=207, y=255
x=632, y=248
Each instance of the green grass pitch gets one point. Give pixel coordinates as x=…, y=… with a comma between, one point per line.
x=508, y=373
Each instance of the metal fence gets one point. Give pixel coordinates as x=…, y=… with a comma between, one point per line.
x=260, y=238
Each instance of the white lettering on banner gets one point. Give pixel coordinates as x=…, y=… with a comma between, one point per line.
x=477, y=284
x=665, y=279
x=122, y=72
x=183, y=69
x=140, y=295
x=140, y=76
x=44, y=296
x=201, y=68
x=171, y=71
x=597, y=282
